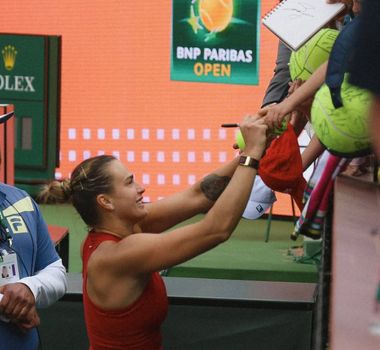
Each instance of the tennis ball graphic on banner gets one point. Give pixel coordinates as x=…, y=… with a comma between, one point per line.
x=304, y=62
x=216, y=14
x=343, y=131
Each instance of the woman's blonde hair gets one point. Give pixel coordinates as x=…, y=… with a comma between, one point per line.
x=89, y=179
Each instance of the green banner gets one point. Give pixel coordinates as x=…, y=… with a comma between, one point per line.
x=215, y=41
x=22, y=67
x=30, y=75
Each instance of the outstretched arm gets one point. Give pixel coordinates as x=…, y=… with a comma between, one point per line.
x=311, y=152
x=181, y=206
x=275, y=114
x=143, y=252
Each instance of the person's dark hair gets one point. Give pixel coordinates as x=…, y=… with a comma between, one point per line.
x=89, y=179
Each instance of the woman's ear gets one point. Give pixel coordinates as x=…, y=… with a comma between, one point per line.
x=105, y=202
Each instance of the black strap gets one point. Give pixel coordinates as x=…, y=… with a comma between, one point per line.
x=339, y=60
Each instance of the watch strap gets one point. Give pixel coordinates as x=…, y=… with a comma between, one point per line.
x=249, y=162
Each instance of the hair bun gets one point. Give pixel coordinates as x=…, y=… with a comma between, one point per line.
x=55, y=192
x=66, y=188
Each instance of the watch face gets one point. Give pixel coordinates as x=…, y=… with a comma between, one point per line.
x=248, y=161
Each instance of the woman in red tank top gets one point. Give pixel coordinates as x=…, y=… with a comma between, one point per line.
x=124, y=297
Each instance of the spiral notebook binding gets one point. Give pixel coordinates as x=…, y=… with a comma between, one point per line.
x=274, y=9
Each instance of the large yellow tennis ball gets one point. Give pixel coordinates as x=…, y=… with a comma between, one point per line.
x=216, y=14
x=343, y=131
x=311, y=55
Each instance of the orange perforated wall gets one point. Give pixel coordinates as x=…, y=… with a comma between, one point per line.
x=117, y=96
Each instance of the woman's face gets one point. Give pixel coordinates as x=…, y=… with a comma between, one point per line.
x=127, y=195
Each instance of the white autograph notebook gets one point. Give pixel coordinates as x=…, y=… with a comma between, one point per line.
x=296, y=21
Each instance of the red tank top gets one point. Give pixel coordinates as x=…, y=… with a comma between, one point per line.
x=135, y=327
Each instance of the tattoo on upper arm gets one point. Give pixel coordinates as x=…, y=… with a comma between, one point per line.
x=213, y=185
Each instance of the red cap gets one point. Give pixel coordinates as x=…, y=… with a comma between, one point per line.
x=281, y=167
